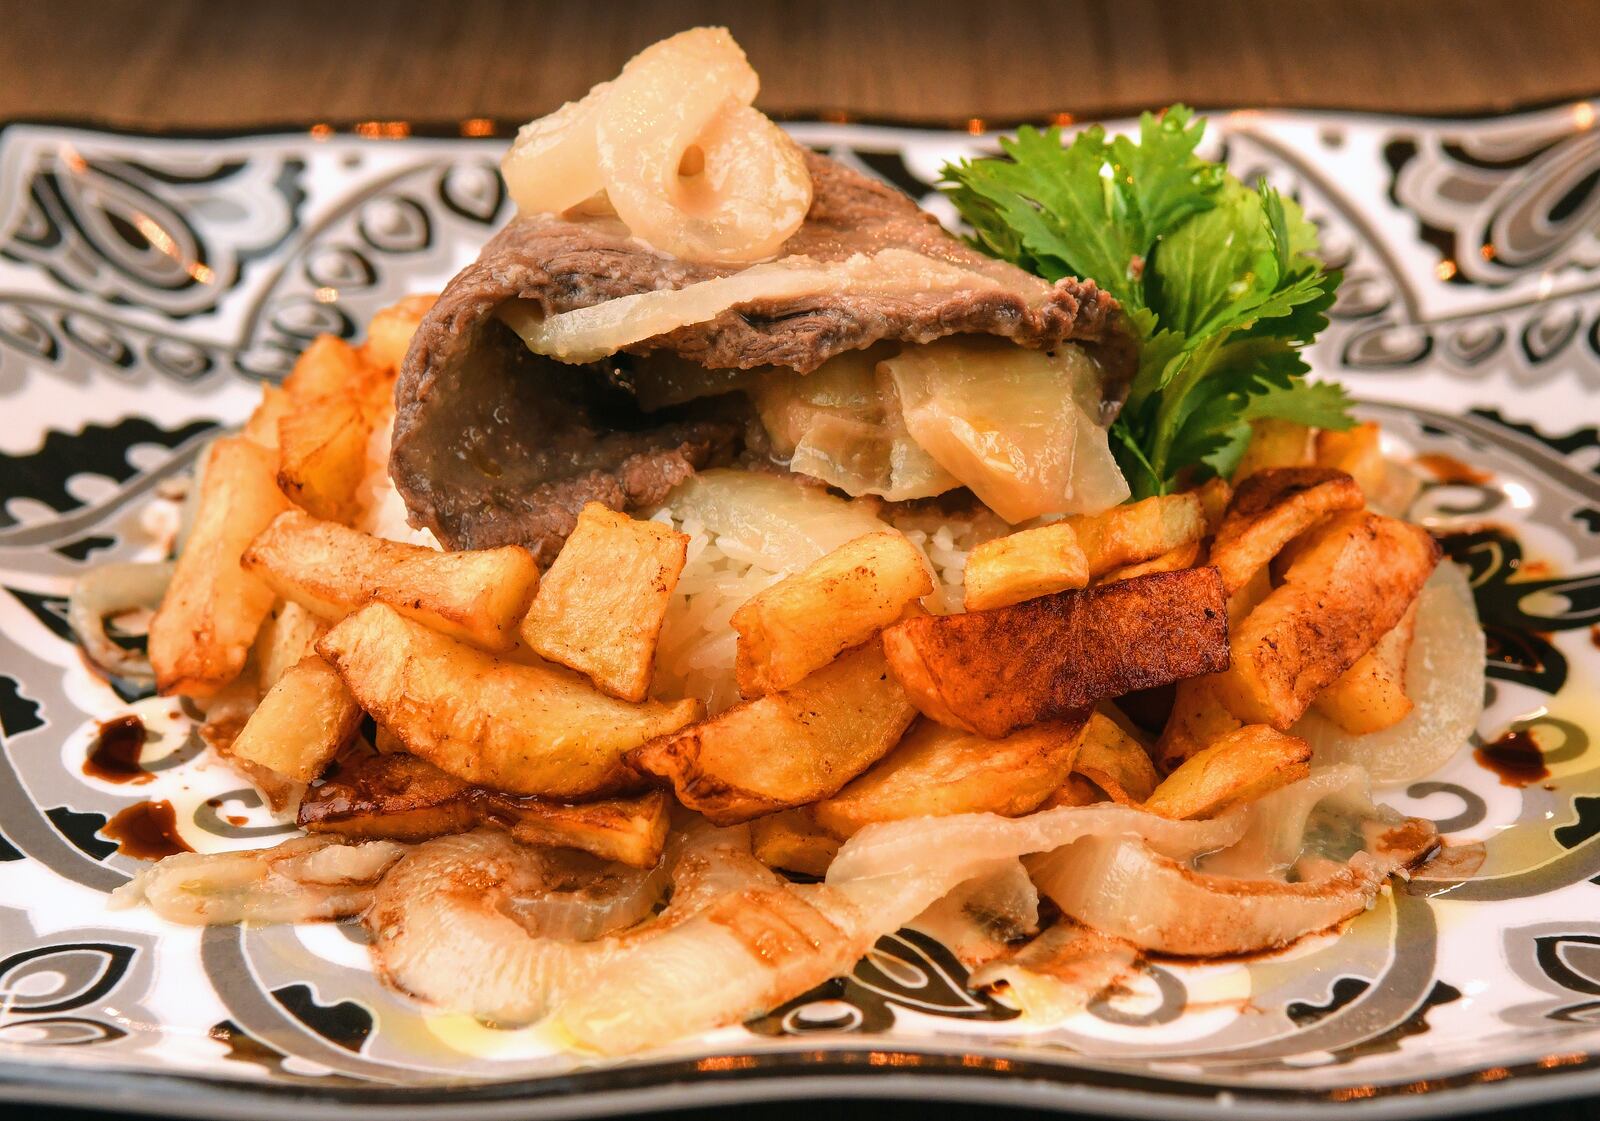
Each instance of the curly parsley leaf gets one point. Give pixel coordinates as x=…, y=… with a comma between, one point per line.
x=1221, y=282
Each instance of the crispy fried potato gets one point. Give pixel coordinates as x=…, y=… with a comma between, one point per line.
x=1025, y=565
x=302, y=722
x=1198, y=719
x=1114, y=761
x=1075, y=791
x=327, y=366
x=600, y=607
x=201, y=636
x=1371, y=695
x=403, y=798
x=787, y=748
x=287, y=635
x=523, y=729
x=937, y=771
x=1389, y=487
x=1184, y=556
x=1240, y=767
x=1139, y=531
x=1353, y=580
x=992, y=672
x=804, y=621
x=1214, y=495
x=1270, y=509
x=794, y=842
x=262, y=427
x=1274, y=443
x=389, y=333
x=323, y=455
x=477, y=595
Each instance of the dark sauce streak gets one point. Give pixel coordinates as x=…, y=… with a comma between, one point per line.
x=1515, y=757
x=1448, y=469
x=115, y=750
x=146, y=831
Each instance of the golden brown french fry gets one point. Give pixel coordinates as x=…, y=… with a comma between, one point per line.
x=1274, y=443
x=1114, y=761
x=478, y=596
x=1184, y=556
x=599, y=608
x=1371, y=695
x=791, y=840
x=804, y=621
x=1240, y=767
x=201, y=636
x=327, y=366
x=787, y=748
x=1139, y=531
x=1198, y=720
x=1075, y=791
x=389, y=333
x=1270, y=509
x=287, y=635
x=937, y=771
x=302, y=722
x=520, y=728
x=403, y=798
x=1214, y=495
x=992, y=672
x=1353, y=580
x=1025, y=565
x=323, y=455
x=1390, y=488
x=262, y=427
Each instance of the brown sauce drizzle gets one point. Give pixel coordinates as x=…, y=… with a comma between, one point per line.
x=115, y=750
x=146, y=831
x=1449, y=469
x=1515, y=757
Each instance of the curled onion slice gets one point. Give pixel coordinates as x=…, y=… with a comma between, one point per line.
x=113, y=589
x=590, y=333
x=1444, y=678
x=585, y=898
x=553, y=165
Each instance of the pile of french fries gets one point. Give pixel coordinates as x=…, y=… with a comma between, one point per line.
x=392, y=690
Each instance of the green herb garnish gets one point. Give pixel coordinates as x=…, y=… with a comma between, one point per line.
x=1221, y=282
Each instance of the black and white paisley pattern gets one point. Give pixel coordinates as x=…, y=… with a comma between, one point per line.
x=145, y=284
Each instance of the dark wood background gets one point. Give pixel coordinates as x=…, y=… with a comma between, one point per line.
x=223, y=64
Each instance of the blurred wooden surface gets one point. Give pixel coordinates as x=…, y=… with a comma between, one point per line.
x=227, y=63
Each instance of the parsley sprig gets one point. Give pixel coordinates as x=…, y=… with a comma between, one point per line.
x=1221, y=282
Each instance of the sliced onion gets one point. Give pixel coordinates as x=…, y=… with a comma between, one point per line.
x=112, y=589
x=1444, y=679
x=554, y=165
x=1058, y=973
x=981, y=919
x=591, y=898
x=783, y=523
x=593, y=332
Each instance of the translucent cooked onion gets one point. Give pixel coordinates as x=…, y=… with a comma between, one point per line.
x=1444, y=678
x=590, y=898
x=776, y=520
x=1016, y=426
x=842, y=425
x=113, y=589
x=554, y=165
x=590, y=333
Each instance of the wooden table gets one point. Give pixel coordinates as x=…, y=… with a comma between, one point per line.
x=216, y=64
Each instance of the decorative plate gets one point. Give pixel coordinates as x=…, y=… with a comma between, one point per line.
x=146, y=284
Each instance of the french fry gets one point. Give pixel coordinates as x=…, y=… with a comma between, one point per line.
x=1274, y=443
x=1240, y=767
x=599, y=608
x=1270, y=509
x=208, y=619
x=322, y=438
x=787, y=748
x=804, y=621
x=262, y=427
x=1198, y=719
x=403, y=798
x=1184, y=556
x=1371, y=695
x=1075, y=791
x=992, y=672
x=1025, y=565
x=523, y=729
x=389, y=333
x=302, y=722
x=1390, y=488
x=1352, y=582
x=327, y=367
x=1114, y=761
x=1139, y=531
x=477, y=596
x=937, y=771
x=794, y=842
x=1214, y=495
x=287, y=635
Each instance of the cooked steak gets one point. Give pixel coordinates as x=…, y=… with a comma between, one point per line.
x=493, y=445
